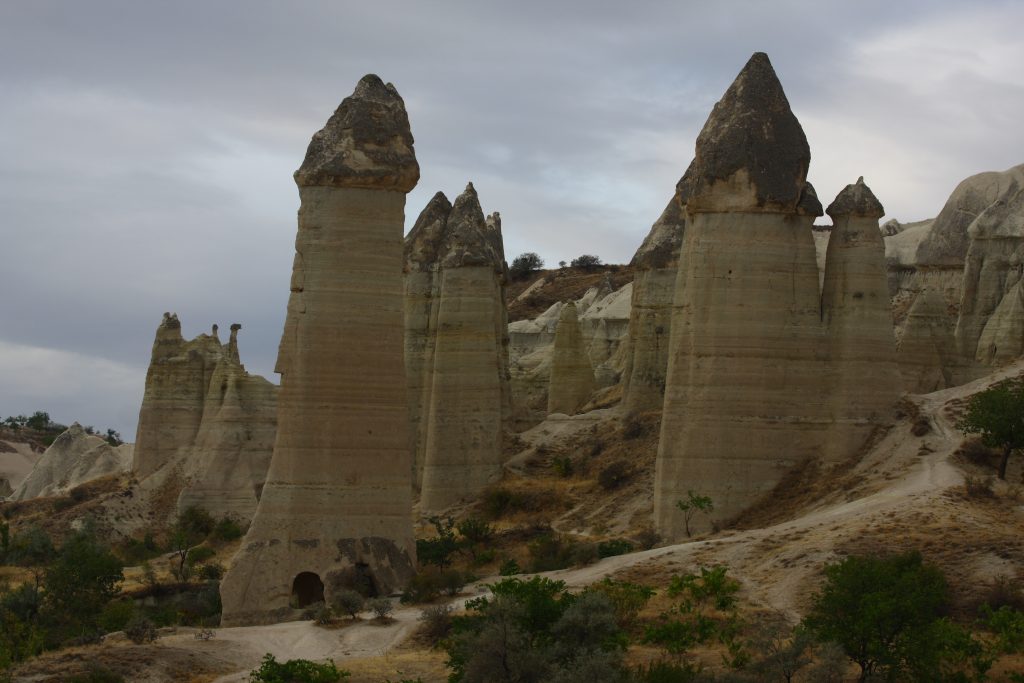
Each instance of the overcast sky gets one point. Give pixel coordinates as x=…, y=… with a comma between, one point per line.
x=146, y=148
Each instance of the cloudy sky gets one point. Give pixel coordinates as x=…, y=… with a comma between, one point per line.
x=146, y=148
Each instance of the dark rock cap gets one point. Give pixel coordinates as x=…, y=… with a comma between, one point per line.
x=751, y=130
x=856, y=200
x=469, y=241
x=424, y=240
x=365, y=144
x=809, y=204
x=660, y=249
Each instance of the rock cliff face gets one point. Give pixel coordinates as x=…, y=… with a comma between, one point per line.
x=927, y=352
x=205, y=422
x=750, y=374
x=995, y=259
x=865, y=381
x=457, y=345
x=572, y=376
x=650, y=320
x=336, y=510
x=73, y=459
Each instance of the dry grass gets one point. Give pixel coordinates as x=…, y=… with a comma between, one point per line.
x=560, y=285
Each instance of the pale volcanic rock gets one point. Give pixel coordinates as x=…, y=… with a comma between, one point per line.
x=1002, y=340
x=229, y=460
x=465, y=413
x=173, y=402
x=572, y=376
x=865, y=382
x=650, y=321
x=5, y=488
x=73, y=459
x=336, y=509
x=926, y=351
x=995, y=261
x=746, y=339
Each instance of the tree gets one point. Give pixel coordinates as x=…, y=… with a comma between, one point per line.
x=997, y=414
x=348, y=601
x=524, y=264
x=80, y=582
x=296, y=671
x=885, y=612
x=438, y=550
x=586, y=261
x=692, y=505
x=39, y=421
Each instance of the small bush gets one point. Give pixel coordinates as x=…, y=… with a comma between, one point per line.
x=422, y=587
x=633, y=428
x=140, y=630
x=586, y=261
x=614, y=475
x=200, y=554
x=196, y=522
x=647, y=538
x=452, y=581
x=227, y=529
x=296, y=671
x=347, y=601
x=549, y=552
x=510, y=568
x=1004, y=592
x=381, y=607
x=497, y=502
x=117, y=615
x=322, y=615
x=437, y=622
x=309, y=613
x=562, y=466
x=211, y=572
x=978, y=487
x=616, y=546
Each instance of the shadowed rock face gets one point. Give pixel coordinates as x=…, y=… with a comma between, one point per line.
x=337, y=501
x=752, y=153
x=756, y=383
x=457, y=342
x=927, y=351
x=650, y=320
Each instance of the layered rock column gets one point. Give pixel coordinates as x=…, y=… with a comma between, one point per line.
x=336, y=508
x=650, y=320
x=745, y=384
x=572, y=376
x=864, y=378
x=465, y=412
x=926, y=352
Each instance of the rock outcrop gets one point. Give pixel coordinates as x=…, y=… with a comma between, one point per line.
x=1002, y=340
x=457, y=343
x=336, y=509
x=864, y=379
x=206, y=426
x=572, y=376
x=73, y=459
x=746, y=357
x=926, y=352
x=650, y=320
x=995, y=258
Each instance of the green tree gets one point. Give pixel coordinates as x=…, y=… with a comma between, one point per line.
x=886, y=614
x=692, y=505
x=439, y=549
x=997, y=414
x=296, y=671
x=524, y=264
x=82, y=579
x=586, y=261
x=39, y=421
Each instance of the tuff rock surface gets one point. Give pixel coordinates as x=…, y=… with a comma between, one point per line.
x=572, y=376
x=74, y=458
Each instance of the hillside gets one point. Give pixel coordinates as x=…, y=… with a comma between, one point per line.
x=534, y=294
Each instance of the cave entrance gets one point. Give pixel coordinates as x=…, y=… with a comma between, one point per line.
x=307, y=588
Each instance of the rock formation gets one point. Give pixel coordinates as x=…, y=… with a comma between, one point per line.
x=336, y=510
x=463, y=394
x=1002, y=340
x=864, y=379
x=650, y=320
x=746, y=349
x=926, y=351
x=206, y=425
x=5, y=488
x=995, y=257
x=572, y=377
x=73, y=459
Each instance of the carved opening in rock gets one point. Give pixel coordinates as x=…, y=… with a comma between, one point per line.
x=358, y=578
x=307, y=588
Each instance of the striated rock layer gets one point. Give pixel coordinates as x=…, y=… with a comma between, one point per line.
x=755, y=383
x=926, y=352
x=336, y=510
x=650, y=320
x=572, y=376
x=864, y=380
x=457, y=344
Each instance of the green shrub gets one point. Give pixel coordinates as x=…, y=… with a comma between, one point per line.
x=439, y=549
x=116, y=615
x=140, y=630
x=497, y=502
x=617, y=546
x=510, y=568
x=562, y=466
x=452, y=581
x=614, y=475
x=381, y=607
x=627, y=598
x=347, y=601
x=211, y=572
x=296, y=671
x=322, y=614
x=437, y=622
x=200, y=554
x=422, y=587
x=196, y=522
x=227, y=529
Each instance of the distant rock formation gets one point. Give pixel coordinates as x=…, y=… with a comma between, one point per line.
x=1002, y=340
x=336, y=510
x=995, y=259
x=572, y=376
x=650, y=321
x=5, y=488
x=759, y=362
x=205, y=423
x=456, y=349
x=73, y=459
x=864, y=380
x=926, y=352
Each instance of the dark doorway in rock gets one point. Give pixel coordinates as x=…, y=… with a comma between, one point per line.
x=307, y=588
x=364, y=580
